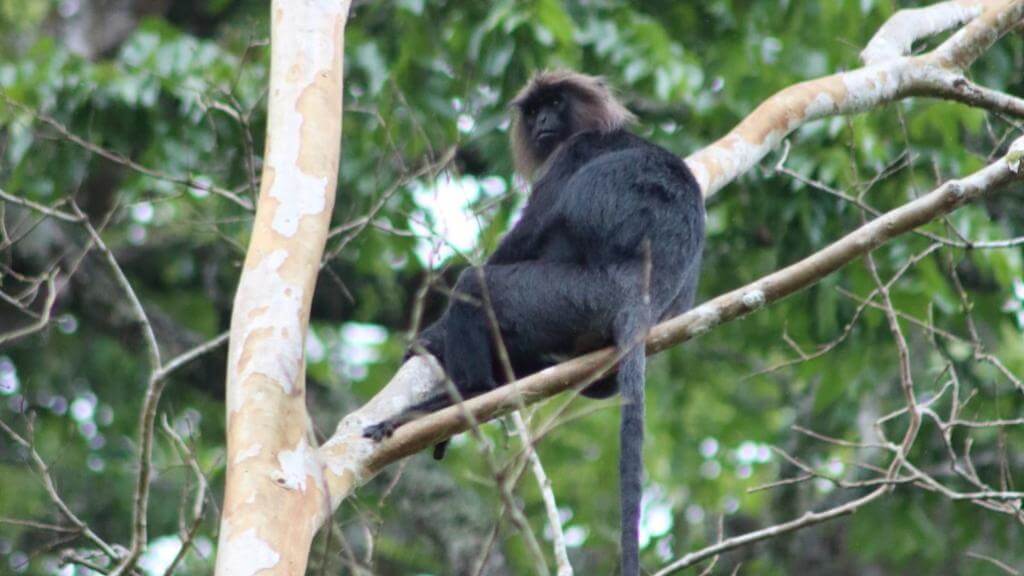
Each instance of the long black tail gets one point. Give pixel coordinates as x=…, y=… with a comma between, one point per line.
x=631, y=440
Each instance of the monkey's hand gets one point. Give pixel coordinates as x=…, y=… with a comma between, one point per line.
x=381, y=430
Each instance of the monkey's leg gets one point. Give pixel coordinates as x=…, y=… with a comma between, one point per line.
x=542, y=308
x=469, y=336
x=460, y=342
x=604, y=388
x=386, y=428
x=430, y=339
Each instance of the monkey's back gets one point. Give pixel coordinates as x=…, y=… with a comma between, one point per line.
x=609, y=193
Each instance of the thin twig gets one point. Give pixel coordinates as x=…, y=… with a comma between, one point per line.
x=51, y=489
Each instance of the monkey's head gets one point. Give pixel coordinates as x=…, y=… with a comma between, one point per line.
x=552, y=107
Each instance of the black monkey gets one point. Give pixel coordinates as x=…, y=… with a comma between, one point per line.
x=609, y=242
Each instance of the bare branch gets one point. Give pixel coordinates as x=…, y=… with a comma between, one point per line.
x=117, y=158
x=896, y=37
x=189, y=457
x=48, y=210
x=808, y=519
x=51, y=490
x=564, y=568
x=1006, y=568
x=44, y=318
x=850, y=93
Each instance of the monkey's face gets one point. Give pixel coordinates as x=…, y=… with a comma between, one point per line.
x=547, y=120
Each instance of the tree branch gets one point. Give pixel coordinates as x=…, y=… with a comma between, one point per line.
x=881, y=82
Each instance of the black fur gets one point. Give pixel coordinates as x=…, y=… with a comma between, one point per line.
x=609, y=242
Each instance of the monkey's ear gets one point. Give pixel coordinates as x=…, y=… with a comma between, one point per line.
x=522, y=98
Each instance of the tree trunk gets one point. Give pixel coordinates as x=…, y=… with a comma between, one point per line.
x=275, y=496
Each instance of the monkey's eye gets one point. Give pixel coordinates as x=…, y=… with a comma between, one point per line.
x=556, y=101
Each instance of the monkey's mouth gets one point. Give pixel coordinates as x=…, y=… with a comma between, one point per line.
x=545, y=135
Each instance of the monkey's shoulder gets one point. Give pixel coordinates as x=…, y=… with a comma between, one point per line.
x=626, y=153
x=623, y=165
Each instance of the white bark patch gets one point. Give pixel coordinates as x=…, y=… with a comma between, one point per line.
x=754, y=299
x=271, y=316
x=896, y=37
x=357, y=450
x=296, y=466
x=741, y=154
x=1015, y=156
x=416, y=380
x=731, y=155
x=251, y=452
x=866, y=87
x=299, y=194
x=700, y=174
x=822, y=105
x=426, y=375
x=707, y=318
x=246, y=555
x=300, y=57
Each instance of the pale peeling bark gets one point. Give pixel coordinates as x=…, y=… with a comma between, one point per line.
x=896, y=37
x=351, y=460
x=275, y=495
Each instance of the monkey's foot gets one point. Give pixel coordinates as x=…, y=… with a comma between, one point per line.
x=380, y=431
x=439, y=449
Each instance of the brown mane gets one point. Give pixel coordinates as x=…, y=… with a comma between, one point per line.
x=596, y=108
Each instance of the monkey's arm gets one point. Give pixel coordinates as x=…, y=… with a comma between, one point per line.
x=521, y=243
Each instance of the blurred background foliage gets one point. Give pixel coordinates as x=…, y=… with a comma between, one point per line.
x=180, y=87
